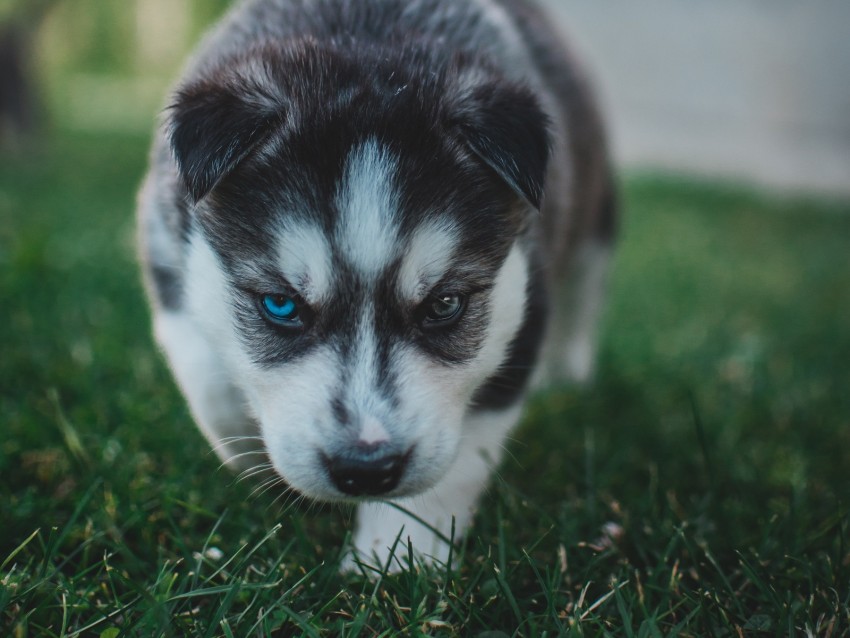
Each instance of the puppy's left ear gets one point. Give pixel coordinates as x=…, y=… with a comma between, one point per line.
x=504, y=125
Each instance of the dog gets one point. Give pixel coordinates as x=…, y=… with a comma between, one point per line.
x=369, y=227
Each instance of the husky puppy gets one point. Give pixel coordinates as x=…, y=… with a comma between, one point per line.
x=359, y=217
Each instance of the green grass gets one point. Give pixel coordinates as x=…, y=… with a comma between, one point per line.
x=716, y=440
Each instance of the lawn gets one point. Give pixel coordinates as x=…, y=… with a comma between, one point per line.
x=700, y=487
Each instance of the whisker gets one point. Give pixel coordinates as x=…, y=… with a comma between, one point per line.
x=511, y=455
x=292, y=499
x=229, y=459
x=253, y=471
x=248, y=453
x=240, y=437
x=234, y=439
x=265, y=486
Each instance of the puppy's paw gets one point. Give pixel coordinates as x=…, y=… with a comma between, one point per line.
x=388, y=540
x=380, y=556
x=376, y=564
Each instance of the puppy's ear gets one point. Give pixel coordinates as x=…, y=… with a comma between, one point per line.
x=507, y=129
x=215, y=124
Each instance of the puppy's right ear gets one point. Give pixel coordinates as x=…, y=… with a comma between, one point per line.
x=214, y=125
x=505, y=126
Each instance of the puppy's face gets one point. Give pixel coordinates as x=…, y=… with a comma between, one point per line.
x=361, y=268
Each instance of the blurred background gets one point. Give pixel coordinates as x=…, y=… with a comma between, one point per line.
x=92, y=66
x=720, y=416
x=755, y=90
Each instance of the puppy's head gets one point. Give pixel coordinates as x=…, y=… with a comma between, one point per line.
x=357, y=250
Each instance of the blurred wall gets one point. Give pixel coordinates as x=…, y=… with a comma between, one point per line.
x=757, y=90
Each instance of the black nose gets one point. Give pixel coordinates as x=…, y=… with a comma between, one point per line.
x=359, y=477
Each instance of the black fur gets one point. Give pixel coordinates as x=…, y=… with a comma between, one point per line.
x=168, y=285
x=215, y=125
x=506, y=128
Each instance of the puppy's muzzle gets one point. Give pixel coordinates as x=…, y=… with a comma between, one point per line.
x=366, y=475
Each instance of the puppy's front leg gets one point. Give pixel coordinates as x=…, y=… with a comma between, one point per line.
x=455, y=496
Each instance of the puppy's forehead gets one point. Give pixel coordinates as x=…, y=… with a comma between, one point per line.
x=384, y=224
x=366, y=229
x=362, y=236
x=377, y=238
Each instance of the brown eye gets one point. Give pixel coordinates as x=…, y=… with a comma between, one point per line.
x=442, y=310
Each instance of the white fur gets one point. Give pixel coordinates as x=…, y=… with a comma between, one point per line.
x=217, y=405
x=366, y=228
x=372, y=432
x=293, y=403
x=208, y=301
x=427, y=258
x=362, y=397
x=305, y=260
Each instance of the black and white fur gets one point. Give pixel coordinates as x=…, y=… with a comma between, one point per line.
x=363, y=156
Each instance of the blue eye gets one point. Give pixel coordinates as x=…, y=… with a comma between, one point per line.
x=280, y=308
